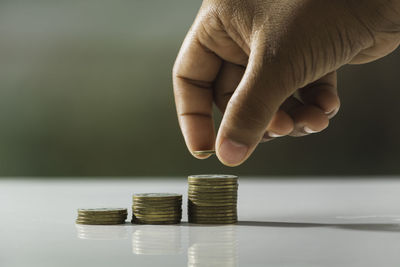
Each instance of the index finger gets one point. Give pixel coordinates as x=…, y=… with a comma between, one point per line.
x=194, y=72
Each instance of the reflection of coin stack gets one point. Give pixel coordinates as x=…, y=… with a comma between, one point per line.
x=212, y=199
x=101, y=232
x=157, y=240
x=157, y=208
x=212, y=246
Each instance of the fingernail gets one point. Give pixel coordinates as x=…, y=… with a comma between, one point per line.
x=274, y=135
x=231, y=152
x=332, y=112
x=308, y=130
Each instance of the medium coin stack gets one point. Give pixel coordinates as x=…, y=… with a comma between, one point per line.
x=157, y=208
x=212, y=199
x=105, y=216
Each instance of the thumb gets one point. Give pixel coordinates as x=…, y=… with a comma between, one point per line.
x=250, y=109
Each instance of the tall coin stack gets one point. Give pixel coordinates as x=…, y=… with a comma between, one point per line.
x=157, y=208
x=105, y=216
x=212, y=199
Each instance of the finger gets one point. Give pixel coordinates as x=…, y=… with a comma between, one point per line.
x=280, y=125
x=194, y=71
x=249, y=111
x=307, y=118
x=323, y=94
x=226, y=83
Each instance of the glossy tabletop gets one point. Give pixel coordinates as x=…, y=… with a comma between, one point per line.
x=282, y=222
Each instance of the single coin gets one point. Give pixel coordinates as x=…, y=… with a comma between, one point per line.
x=101, y=219
x=157, y=215
x=211, y=215
x=103, y=211
x=198, y=207
x=216, y=200
x=145, y=212
x=207, y=219
x=161, y=208
x=166, y=209
x=210, y=196
x=215, y=177
x=151, y=220
x=102, y=215
x=207, y=183
x=214, y=187
x=157, y=201
x=223, y=193
x=203, y=152
x=214, y=203
x=99, y=223
x=153, y=204
x=156, y=222
x=213, y=223
x=157, y=195
x=221, y=211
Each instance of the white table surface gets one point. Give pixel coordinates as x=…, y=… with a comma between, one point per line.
x=283, y=222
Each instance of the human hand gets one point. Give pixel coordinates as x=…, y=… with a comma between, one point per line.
x=270, y=67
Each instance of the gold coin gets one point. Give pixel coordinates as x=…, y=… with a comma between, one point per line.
x=99, y=222
x=211, y=215
x=144, y=212
x=203, y=152
x=159, y=205
x=213, y=177
x=141, y=219
x=212, y=222
x=155, y=202
x=201, y=208
x=100, y=219
x=103, y=210
x=156, y=215
x=156, y=222
x=211, y=200
x=213, y=204
x=158, y=196
x=212, y=184
x=209, y=196
x=161, y=209
x=148, y=205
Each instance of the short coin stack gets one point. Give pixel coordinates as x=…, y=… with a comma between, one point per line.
x=105, y=216
x=157, y=208
x=212, y=199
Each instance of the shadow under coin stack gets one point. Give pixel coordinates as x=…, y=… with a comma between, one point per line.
x=157, y=208
x=212, y=199
x=104, y=216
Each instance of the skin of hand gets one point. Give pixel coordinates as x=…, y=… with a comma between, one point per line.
x=270, y=67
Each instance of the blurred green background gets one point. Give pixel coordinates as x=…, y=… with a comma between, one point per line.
x=86, y=91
